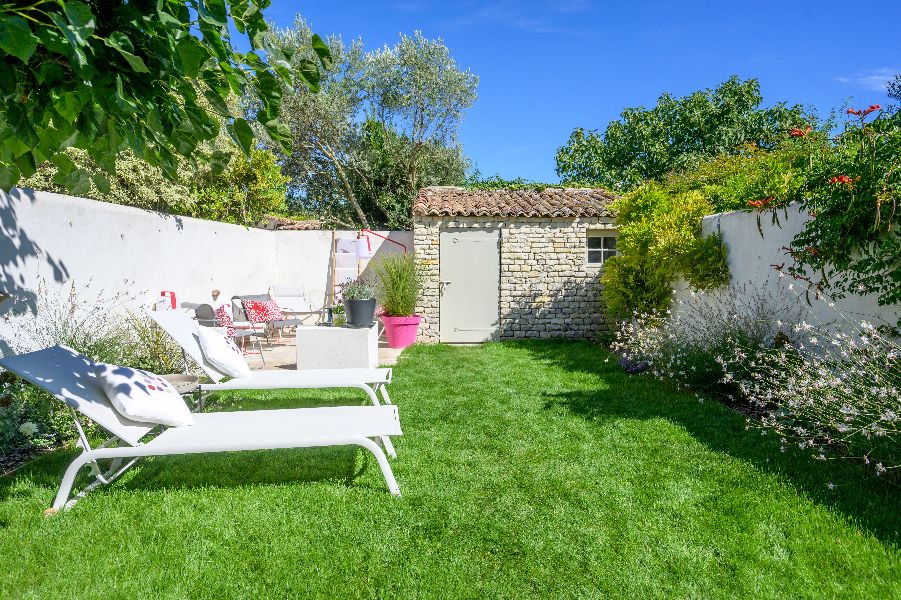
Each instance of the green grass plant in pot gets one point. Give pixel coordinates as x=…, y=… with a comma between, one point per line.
x=338, y=316
x=399, y=284
x=359, y=303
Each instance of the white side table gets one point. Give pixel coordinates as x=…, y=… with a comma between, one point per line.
x=337, y=348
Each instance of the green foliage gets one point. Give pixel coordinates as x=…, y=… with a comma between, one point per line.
x=893, y=88
x=399, y=283
x=853, y=244
x=383, y=125
x=381, y=179
x=150, y=77
x=632, y=284
x=249, y=189
x=730, y=181
x=98, y=328
x=676, y=135
x=659, y=231
x=496, y=182
x=705, y=264
x=659, y=222
x=136, y=182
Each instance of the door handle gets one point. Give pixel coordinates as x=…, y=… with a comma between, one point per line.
x=442, y=284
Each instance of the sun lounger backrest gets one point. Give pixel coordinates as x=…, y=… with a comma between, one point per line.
x=70, y=377
x=183, y=329
x=205, y=315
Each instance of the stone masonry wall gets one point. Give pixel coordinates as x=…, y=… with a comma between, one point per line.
x=546, y=289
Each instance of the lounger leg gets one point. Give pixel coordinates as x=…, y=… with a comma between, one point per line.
x=386, y=441
x=383, y=390
x=65, y=487
x=383, y=463
x=389, y=447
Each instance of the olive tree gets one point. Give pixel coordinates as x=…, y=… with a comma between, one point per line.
x=416, y=88
x=383, y=124
x=893, y=88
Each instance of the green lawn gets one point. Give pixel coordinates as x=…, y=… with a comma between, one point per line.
x=532, y=469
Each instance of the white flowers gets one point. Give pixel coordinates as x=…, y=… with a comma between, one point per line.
x=814, y=385
x=28, y=429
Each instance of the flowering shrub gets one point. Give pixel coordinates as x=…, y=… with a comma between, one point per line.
x=853, y=190
x=829, y=390
x=831, y=387
x=659, y=222
x=684, y=344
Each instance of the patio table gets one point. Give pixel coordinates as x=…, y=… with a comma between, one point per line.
x=337, y=347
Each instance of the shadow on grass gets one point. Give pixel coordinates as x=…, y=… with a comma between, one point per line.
x=339, y=464
x=342, y=464
x=869, y=501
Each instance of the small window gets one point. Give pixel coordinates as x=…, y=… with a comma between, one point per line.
x=600, y=246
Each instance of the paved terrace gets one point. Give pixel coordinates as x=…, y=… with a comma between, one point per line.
x=283, y=354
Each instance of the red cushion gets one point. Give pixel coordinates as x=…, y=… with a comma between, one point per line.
x=224, y=319
x=262, y=311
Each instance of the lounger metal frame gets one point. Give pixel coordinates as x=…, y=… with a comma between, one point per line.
x=70, y=378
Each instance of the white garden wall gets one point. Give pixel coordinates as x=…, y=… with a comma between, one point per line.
x=59, y=239
x=751, y=256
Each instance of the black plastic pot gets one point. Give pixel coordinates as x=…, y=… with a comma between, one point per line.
x=360, y=313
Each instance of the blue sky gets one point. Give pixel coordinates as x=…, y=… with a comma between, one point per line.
x=547, y=67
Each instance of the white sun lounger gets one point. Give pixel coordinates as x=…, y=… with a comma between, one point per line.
x=69, y=376
x=182, y=329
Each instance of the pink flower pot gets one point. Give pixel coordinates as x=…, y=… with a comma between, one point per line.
x=401, y=331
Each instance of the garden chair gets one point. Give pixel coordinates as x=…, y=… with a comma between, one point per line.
x=293, y=300
x=240, y=315
x=206, y=316
x=180, y=328
x=70, y=378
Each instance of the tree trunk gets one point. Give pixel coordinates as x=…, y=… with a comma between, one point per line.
x=351, y=197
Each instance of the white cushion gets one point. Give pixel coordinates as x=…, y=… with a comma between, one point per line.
x=142, y=396
x=222, y=353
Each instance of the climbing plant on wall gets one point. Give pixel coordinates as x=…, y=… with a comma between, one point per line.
x=852, y=242
x=660, y=222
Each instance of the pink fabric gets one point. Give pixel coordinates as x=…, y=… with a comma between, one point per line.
x=224, y=319
x=262, y=311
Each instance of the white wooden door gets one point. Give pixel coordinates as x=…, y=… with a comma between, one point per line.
x=469, y=267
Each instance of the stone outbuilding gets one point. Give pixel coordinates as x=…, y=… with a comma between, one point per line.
x=503, y=264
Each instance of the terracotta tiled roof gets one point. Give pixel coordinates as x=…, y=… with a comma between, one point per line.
x=286, y=224
x=548, y=202
x=301, y=226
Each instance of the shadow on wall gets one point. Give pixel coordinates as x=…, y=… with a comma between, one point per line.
x=388, y=248
x=385, y=248
x=16, y=248
x=573, y=310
